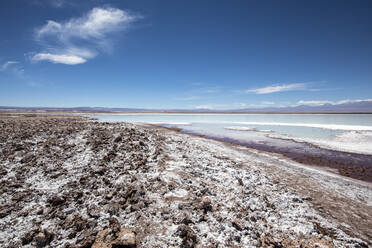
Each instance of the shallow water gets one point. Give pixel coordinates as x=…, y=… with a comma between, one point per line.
x=342, y=132
x=338, y=141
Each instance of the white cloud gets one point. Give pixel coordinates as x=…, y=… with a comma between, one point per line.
x=267, y=103
x=187, y=98
x=211, y=89
x=51, y=28
x=217, y=106
x=323, y=102
x=13, y=67
x=59, y=58
x=8, y=64
x=352, y=101
x=57, y=3
x=96, y=24
x=90, y=31
x=204, y=107
x=314, y=102
x=277, y=88
x=52, y=3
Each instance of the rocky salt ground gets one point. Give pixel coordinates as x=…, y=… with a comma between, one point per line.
x=72, y=182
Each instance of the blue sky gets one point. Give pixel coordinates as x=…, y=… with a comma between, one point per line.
x=184, y=54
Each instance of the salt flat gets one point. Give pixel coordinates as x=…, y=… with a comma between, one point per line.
x=75, y=182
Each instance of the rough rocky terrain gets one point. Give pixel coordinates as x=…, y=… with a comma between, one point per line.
x=74, y=182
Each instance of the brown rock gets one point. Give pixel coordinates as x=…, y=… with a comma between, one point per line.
x=40, y=239
x=100, y=241
x=109, y=195
x=114, y=225
x=4, y=213
x=56, y=200
x=189, y=238
x=117, y=139
x=88, y=239
x=206, y=204
x=79, y=224
x=126, y=238
x=27, y=158
x=40, y=211
x=43, y=238
x=29, y=236
x=238, y=224
x=94, y=211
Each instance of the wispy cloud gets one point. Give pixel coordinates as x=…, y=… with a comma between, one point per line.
x=8, y=64
x=16, y=69
x=278, y=88
x=314, y=102
x=51, y=3
x=241, y=105
x=57, y=3
x=323, y=102
x=197, y=93
x=267, y=103
x=204, y=107
x=34, y=84
x=76, y=40
x=60, y=58
x=187, y=98
x=221, y=106
x=211, y=89
x=12, y=67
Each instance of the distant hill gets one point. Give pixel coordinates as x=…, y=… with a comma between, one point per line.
x=351, y=107
x=357, y=107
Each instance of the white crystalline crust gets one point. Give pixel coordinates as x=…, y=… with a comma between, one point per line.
x=171, y=188
x=316, y=125
x=354, y=141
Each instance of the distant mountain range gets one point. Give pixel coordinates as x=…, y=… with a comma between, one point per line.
x=351, y=107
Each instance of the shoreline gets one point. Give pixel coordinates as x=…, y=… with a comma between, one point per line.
x=333, y=161
x=299, y=172
x=3, y=111
x=74, y=182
